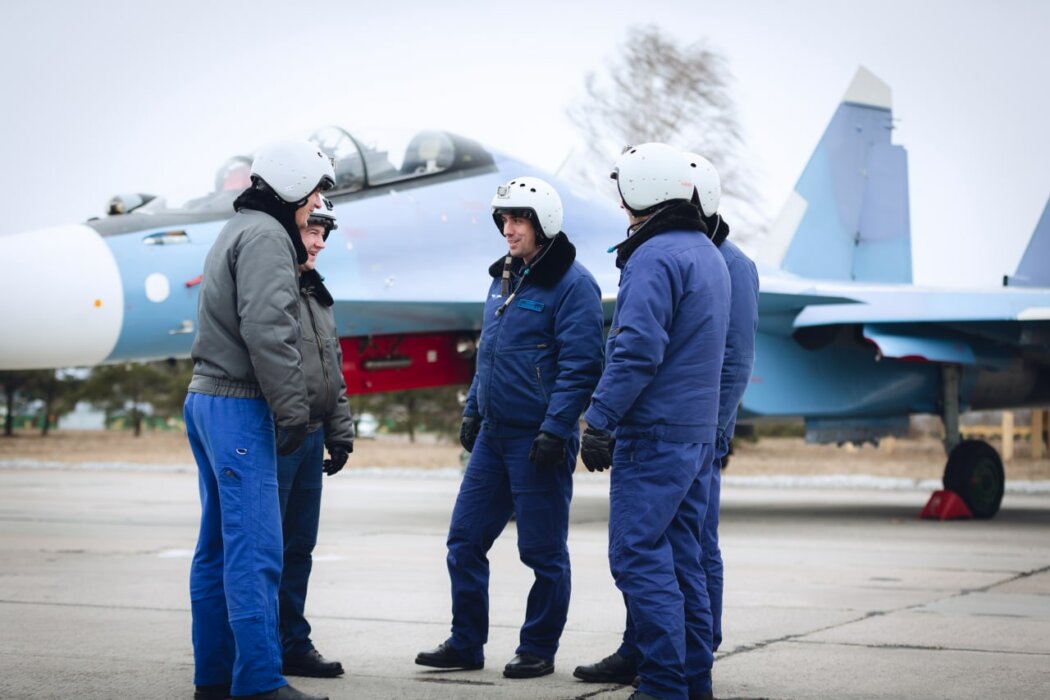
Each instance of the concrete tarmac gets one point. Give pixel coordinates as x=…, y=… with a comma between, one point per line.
x=829, y=593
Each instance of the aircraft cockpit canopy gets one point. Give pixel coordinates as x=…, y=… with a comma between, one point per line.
x=381, y=157
x=373, y=158
x=234, y=175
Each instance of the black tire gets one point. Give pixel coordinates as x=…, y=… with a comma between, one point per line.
x=975, y=472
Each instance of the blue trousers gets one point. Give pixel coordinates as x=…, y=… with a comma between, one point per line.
x=236, y=567
x=658, y=500
x=711, y=556
x=299, y=478
x=501, y=480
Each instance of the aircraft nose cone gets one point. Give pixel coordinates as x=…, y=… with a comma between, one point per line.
x=61, y=299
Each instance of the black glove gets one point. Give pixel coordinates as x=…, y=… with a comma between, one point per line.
x=547, y=451
x=338, y=454
x=468, y=432
x=596, y=448
x=290, y=439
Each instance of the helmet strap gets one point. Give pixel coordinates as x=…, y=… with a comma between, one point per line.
x=504, y=285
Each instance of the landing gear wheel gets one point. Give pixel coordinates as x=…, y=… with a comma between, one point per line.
x=975, y=472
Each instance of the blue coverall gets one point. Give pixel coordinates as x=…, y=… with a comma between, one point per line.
x=538, y=362
x=659, y=393
x=736, y=372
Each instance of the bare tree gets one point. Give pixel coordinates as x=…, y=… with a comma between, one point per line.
x=656, y=90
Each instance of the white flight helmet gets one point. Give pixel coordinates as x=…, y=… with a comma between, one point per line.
x=705, y=179
x=533, y=197
x=293, y=169
x=324, y=216
x=650, y=175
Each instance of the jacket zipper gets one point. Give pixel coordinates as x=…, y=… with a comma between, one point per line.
x=320, y=351
x=539, y=378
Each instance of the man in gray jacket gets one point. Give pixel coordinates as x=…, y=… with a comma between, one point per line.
x=299, y=474
x=247, y=376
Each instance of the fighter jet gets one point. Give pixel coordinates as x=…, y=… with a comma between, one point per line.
x=845, y=339
x=850, y=343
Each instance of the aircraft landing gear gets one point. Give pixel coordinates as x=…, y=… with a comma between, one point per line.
x=974, y=471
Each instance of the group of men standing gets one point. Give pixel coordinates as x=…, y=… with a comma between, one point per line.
x=660, y=413
x=264, y=403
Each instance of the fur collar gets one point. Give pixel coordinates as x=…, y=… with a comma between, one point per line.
x=311, y=282
x=269, y=203
x=717, y=229
x=549, y=266
x=676, y=216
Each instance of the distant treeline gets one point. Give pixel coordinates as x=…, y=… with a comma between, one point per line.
x=134, y=395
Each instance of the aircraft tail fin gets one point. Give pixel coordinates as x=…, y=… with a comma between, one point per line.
x=1034, y=270
x=848, y=216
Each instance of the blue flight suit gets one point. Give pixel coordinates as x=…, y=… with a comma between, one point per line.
x=300, y=474
x=538, y=361
x=299, y=482
x=659, y=394
x=736, y=374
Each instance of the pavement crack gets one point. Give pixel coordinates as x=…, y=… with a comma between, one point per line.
x=925, y=647
x=452, y=681
x=98, y=606
x=793, y=637
x=1015, y=577
x=598, y=691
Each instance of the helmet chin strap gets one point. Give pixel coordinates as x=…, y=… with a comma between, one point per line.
x=635, y=228
x=505, y=283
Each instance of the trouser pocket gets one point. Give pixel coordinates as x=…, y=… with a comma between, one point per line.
x=231, y=497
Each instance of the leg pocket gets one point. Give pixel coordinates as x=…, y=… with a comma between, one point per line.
x=231, y=498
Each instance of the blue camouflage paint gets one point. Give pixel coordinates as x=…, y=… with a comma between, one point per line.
x=148, y=329
x=856, y=224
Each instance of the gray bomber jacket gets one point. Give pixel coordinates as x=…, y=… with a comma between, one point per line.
x=323, y=363
x=248, y=337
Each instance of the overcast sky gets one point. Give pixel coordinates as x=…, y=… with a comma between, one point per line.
x=108, y=97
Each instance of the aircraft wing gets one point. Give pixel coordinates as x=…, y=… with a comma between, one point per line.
x=919, y=305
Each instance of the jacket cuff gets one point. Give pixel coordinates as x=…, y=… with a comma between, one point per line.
x=556, y=429
x=598, y=420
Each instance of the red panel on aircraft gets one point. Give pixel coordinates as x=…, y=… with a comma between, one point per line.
x=406, y=361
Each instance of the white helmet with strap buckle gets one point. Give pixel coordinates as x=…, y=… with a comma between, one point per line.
x=534, y=198
x=324, y=216
x=650, y=175
x=293, y=169
x=707, y=182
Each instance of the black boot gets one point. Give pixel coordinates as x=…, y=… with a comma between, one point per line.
x=311, y=664
x=212, y=692
x=612, y=669
x=445, y=656
x=526, y=665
